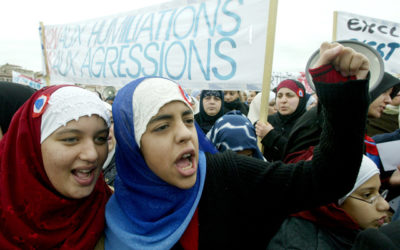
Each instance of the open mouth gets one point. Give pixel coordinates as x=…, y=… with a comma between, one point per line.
x=84, y=176
x=185, y=164
x=82, y=173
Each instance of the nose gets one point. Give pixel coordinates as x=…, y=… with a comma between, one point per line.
x=88, y=151
x=388, y=99
x=382, y=204
x=182, y=132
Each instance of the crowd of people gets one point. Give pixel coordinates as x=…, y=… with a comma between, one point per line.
x=155, y=167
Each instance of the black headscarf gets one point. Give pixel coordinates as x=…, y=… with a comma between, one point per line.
x=388, y=81
x=12, y=96
x=205, y=121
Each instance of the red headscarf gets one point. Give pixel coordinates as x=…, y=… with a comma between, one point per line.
x=32, y=213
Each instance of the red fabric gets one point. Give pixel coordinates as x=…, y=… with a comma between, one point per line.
x=306, y=155
x=330, y=216
x=327, y=74
x=190, y=238
x=33, y=215
x=290, y=84
x=370, y=146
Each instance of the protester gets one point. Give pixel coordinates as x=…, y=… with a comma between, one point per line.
x=251, y=96
x=109, y=168
x=291, y=104
x=254, y=108
x=305, y=133
x=234, y=131
x=336, y=225
x=388, y=122
x=12, y=96
x=211, y=108
x=50, y=163
x=171, y=191
x=232, y=102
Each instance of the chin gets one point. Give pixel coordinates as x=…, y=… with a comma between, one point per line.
x=187, y=184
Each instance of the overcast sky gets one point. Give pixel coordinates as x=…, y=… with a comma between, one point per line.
x=301, y=25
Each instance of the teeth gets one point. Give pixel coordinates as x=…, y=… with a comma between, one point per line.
x=186, y=155
x=85, y=171
x=188, y=167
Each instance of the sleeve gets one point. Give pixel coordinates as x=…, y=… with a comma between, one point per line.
x=274, y=144
x=335, y=164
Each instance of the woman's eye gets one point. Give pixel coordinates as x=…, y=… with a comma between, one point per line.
x=367, y=195
x=190, y=120
x=70, y=140
x=161, y=128
x=101, y=139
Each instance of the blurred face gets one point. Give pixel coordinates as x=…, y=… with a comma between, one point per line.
x=170, y=146
x=212, y=105
x=111, y=136
x=376, y=108
x=246, y=152
x=286, y=101
x=74, y=154
x=272, y=107
x=396, y=100
x=367, y=215
x=230, y=95
x=251, y=96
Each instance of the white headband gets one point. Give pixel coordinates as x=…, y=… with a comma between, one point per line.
x=367, y=170
x=149, y=97
x=70, y=103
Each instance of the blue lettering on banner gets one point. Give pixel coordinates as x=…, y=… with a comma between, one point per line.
x=147, y=44
x=386, y=50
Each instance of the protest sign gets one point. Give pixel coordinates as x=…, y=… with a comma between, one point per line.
x=382, y=35
x=211, y=44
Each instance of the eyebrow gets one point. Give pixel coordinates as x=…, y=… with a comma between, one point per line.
x=368, y=189
x=168, y=117
x=67, y=131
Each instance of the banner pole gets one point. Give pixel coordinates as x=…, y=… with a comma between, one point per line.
x=334, y=30
x=268, y=59
x=43, y=38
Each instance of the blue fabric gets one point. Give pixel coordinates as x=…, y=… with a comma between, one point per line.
x=145, y=212
x=234, y=131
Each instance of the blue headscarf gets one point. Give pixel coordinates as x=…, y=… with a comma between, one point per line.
x=235, y=132
x=145, y=212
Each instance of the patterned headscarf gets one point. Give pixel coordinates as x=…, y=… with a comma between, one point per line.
x=32, y=212
x=234, y=131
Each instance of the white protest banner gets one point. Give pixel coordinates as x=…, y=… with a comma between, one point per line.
x=26, y=80
x=382, y=35
x=203, y=44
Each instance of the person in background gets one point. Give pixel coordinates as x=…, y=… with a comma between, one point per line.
x=211, y=108
x=234, y=131
x=232, y=102
x=291, y=104
x=254, y=108
x=305, y=133
x=389, y=120
x=52, y=193
x=312, y=101
x=174, y=191
x=109, y=169
x=251, y=96
x=110, y=100
x=243, y=96
x=12, y=96
x=335, y=226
